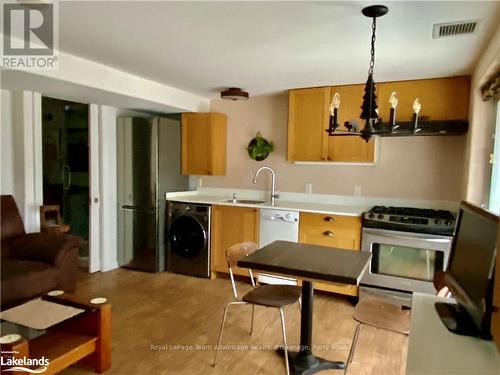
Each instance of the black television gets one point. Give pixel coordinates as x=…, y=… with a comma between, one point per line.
x=469, y=275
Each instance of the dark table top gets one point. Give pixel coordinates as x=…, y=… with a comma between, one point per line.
x=309, y=262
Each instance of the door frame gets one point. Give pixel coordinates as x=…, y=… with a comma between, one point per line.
x=94, y=263
x=94, y=190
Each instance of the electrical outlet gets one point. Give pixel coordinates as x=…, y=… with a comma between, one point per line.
x=309, y=188
x=357, y=190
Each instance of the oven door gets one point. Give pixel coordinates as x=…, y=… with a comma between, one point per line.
x=404, y=261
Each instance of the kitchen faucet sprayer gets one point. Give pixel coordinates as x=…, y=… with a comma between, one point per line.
x=274, y=194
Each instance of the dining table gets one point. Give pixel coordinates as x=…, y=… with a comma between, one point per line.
x=309, y=263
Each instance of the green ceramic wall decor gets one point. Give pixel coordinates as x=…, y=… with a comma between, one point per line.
x=259, y=147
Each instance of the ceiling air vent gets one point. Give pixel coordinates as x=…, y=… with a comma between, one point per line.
x=441, y=30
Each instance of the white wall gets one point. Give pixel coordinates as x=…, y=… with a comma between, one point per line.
x=428, y=168
x=21, y=154
x=481, y=120
x=7, y=144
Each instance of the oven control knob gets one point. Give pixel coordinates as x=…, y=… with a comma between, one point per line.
x=380, y=217
x=371, y=216
x=437, y=221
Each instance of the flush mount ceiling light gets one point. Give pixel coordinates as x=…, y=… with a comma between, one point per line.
x=234, y=93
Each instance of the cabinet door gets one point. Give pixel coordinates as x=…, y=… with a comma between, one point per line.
x=232, y=225
x=336, y=231
x=441, y=98
x=350, y=148
x=196, y=137
x=307, y=120
x=204, y=143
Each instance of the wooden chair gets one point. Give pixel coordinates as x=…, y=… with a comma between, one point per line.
x=275, y=296
x=379, y=313
x=50, y=220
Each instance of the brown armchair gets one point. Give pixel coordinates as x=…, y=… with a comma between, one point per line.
x=33, y=263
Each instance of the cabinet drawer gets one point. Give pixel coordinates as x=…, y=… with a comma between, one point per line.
x=330, y=221
x=343, y=232
x=339, y=231
x=330, y=237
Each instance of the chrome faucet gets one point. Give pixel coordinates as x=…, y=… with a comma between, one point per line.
x=274, y=193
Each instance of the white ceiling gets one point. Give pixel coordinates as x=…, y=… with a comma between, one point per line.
x=265, y=47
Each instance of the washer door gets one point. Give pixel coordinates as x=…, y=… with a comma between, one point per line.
x=187, y=237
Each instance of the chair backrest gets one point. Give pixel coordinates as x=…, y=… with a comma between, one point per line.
x=235, y=253
x=49, y=216
x=11, y=223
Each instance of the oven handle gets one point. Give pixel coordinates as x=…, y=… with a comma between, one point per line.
x=435, y=240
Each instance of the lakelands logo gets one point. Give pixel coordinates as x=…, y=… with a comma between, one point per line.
x=30, y=36
x=29, y=365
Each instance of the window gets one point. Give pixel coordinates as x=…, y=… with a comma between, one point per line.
x=494, y=204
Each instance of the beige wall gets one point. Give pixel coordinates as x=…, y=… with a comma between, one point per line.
x=481, y=118
x=409, y=167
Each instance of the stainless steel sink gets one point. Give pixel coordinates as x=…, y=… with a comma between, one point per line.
x=245, y=201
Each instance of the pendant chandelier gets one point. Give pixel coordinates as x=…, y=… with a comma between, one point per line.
x=369, y=105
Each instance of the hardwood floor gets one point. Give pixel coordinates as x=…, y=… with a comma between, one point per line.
x=159, y=319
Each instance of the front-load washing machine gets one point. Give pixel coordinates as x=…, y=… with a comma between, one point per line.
x=188, y=244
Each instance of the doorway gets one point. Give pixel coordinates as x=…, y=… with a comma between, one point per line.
x=65, y=150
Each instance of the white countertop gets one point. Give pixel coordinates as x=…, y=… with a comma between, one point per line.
x=317, y=203
x=433, y=350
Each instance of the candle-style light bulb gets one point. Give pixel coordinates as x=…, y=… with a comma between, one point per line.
x=335, y=102
x=416, y=110
x=393, y=100
x=416, y=106
x=334, y=108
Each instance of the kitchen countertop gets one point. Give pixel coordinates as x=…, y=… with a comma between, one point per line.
x=315, y=203
x=332, y=209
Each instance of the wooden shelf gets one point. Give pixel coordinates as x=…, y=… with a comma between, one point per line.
x=405, y=129
x=62, y=348
x=427, y=128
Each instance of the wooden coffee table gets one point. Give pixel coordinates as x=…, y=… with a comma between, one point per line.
x=85, y=338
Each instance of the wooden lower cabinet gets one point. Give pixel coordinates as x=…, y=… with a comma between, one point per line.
x=231, y=225
x=335, y=231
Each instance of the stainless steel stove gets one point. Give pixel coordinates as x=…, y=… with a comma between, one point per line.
x=408, y=246
x=410, y=219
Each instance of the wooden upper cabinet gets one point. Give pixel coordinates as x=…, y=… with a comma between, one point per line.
x=308, y=115
x=351, y=148
x=441, y=98
x=204, y=143
x=231, y=225
x=307, y=120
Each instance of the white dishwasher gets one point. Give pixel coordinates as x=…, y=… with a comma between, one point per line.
x=277, y=225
